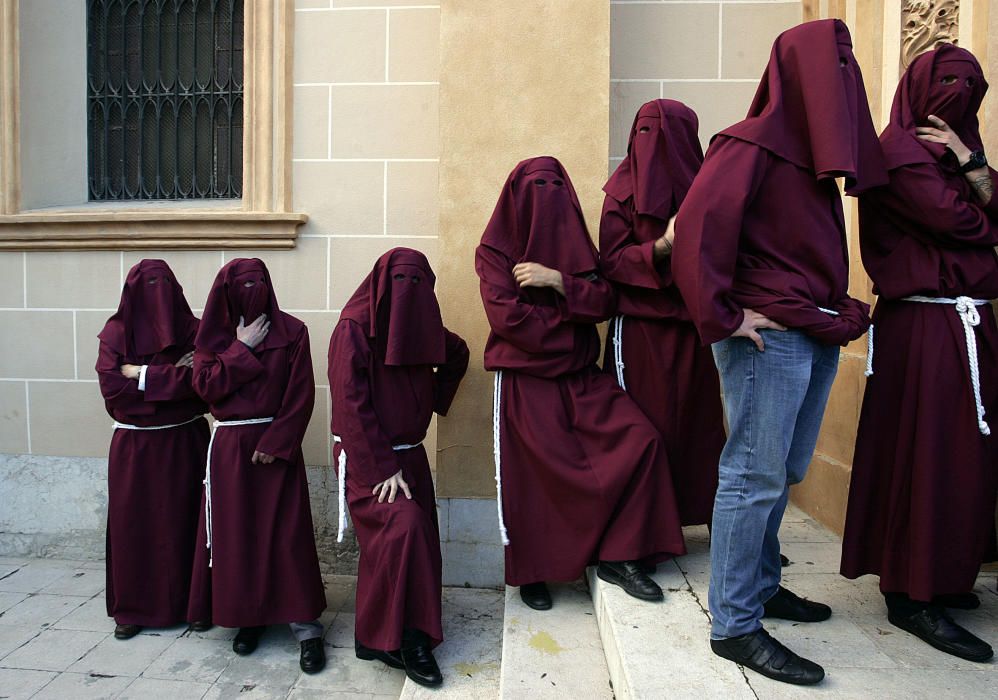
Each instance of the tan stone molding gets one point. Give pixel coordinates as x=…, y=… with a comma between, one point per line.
x=925, y=24
x=264, y=219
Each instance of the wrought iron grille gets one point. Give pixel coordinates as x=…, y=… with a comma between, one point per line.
x=165, y=99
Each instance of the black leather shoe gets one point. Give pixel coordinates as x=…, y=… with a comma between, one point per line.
x=420, y=665
x=787, y=605
x=629, y=576
x=201, y=626
x=536, y=595
x=247, y=639
x=933, y=626
x=313, y=655
x=784, y=561
x=126, y=631
x=958, y=601
x=390, y=658
x=763, y=654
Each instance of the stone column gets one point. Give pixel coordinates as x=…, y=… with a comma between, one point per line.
x=519, y=78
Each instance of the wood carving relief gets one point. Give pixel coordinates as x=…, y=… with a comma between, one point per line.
x=925, y=24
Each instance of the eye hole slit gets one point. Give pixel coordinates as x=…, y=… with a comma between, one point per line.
x=644, y=129
x=399, y=277
x=540, y=182
x=559, y=183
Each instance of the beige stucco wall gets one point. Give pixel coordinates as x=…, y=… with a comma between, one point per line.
x=519, y=78
x=365, y=171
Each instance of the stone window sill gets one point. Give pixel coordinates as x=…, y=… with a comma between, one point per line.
x=89, y=228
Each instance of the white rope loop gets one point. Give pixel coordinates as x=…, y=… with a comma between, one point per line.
x=869, y=352
x=341, y=472
x=127, y=426
x=966, y=307
x=207, y=474
x=618, y=349
x=497, y=452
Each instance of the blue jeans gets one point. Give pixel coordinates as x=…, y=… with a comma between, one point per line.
x=774, y=401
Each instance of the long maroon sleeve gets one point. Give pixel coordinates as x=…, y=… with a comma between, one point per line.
x=169, y=383
x=121, y=395
x=708, y=230
x=370, y=458
x=449, y=375
x=284, y=435
x=936, y=210
x=623, y=259
x=217, y=375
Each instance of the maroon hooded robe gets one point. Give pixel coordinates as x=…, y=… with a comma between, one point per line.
x=652, y=347
x=924, y=478
x=263, y=564
x=584, y=475
x=154, y=476
x=392, y=364
x=762, y=226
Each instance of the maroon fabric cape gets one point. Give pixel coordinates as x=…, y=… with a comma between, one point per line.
x=154, y=476
x=585, y=476
x=924, y=483
x=376, y=405
x=265, y=569
x=762, y=226
x=666, y=370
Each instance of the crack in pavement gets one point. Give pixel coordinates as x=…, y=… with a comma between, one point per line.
x=706, y=612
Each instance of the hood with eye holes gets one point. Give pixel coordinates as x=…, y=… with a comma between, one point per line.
x=919, y=93
x=541, y=222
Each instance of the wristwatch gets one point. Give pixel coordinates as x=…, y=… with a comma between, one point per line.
x=976, y=162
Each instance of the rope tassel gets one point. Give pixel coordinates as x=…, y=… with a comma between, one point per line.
x=497, y=452
x=618, y=350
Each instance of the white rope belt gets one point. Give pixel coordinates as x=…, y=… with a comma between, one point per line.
x=341, y=472
x=497, y=452
x=966, y=308
x=207, y=472
x=617, y=328
x=127, y=426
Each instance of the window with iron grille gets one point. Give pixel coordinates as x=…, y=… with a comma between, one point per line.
x=165, y=99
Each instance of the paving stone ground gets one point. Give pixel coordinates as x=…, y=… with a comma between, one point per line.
x=661, y=651
x=56, y=641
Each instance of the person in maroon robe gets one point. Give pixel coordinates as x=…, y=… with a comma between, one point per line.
x=582, y=475
x=392, y=364
x=924, y=477
x=157, y=451
x=256, y=562
x=652, y=348
x=760, y=244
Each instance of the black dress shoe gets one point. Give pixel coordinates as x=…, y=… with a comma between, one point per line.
x=763, y=654
x=958, y=601
x=932, y=625
x=420, y=665
x=313, y=655
x=536, y=595
x=784, y=561
x=629, y=576
x=390, y=658
x=787, y=605
x=201, y=626
x=126, y=631
x=247, y=639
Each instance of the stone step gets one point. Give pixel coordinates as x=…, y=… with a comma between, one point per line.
x=660, y=650
x=470, y=655
x=554, y=653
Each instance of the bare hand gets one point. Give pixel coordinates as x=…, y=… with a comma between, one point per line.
x=253, y=334
x=131, y=371
x=940, y=132
x=528, y=274
x=753, y=322
x=186, y=361
x=389, y=487
x=663, y=246
x=261, y=458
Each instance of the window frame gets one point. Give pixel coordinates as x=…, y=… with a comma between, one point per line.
x=262, y=218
